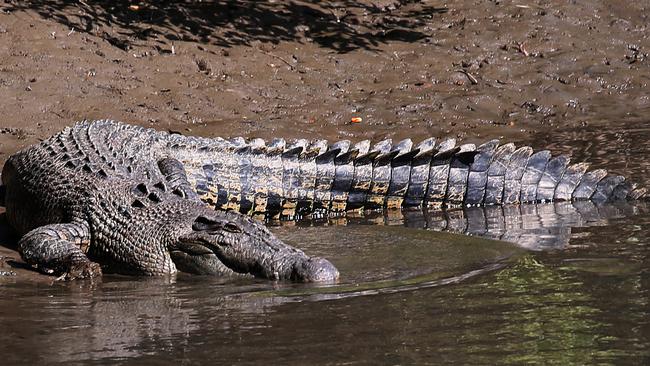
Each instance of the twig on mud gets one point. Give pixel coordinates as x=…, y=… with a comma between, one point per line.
x=520, y=47
x=471, y=77
x=279, y=58
x=529, y=7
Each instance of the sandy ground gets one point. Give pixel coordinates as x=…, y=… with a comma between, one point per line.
x=472, y=69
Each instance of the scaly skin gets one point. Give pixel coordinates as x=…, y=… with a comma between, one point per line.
x=302, y=177
x=140, y=201
x=79, y=208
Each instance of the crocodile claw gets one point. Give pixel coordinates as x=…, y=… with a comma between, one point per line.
x=81, y=270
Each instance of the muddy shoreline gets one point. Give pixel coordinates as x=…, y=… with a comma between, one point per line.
x=470, y=69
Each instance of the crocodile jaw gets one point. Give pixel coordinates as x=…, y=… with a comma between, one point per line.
x=227, y=243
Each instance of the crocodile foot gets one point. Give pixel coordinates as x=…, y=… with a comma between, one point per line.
x=81, y=270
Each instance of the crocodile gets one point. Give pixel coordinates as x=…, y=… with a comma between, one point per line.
x=82, y=210
x=137, y=200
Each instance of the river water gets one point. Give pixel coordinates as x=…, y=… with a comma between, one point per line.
x=573, y=288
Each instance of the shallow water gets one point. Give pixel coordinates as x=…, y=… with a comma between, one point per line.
x=574, y=291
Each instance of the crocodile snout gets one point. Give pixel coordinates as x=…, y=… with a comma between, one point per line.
x=315, y=269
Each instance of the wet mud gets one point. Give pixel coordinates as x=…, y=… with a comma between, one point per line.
x=473, y=69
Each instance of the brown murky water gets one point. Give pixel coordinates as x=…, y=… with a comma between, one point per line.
x=407, y=296
x=553, y=74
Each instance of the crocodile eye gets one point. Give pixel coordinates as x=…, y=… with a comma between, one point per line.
x=230, y=227
x=203, y=223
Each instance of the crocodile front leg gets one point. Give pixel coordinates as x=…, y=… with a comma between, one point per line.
x=59, y=249
x=176, y=177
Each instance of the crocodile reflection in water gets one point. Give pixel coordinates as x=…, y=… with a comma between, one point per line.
x=532, y=226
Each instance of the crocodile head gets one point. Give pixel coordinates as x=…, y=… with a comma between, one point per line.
x=226, y=242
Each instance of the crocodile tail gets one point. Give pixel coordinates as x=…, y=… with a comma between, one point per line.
x=256, y=177
x=406, y=175
x=300, y=177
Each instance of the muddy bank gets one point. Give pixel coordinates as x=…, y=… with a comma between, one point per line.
x=408, y=69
